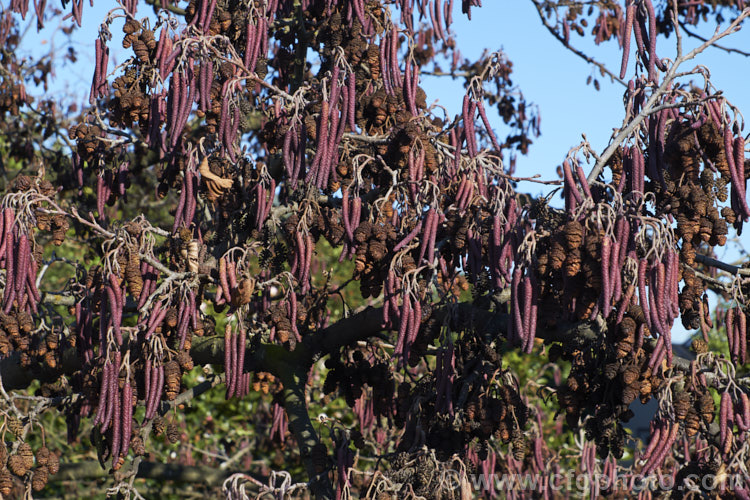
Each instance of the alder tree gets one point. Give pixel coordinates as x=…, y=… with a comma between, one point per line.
x=262, y=201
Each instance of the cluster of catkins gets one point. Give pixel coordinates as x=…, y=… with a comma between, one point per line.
x=351, y=376
x=454, y=406
x=12, y=97
x=130, y=364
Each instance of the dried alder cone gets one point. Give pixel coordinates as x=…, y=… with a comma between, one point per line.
x=271, y=167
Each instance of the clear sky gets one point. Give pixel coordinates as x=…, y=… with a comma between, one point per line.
x=548, y=74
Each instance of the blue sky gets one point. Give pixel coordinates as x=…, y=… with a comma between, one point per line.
x=549, y=75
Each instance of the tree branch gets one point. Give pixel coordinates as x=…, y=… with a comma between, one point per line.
x=715, y=45
x=566, y=44
x=295, y=404
x=91, y=469
x=733, y=270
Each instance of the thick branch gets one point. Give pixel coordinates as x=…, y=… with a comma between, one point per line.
x=295, y=405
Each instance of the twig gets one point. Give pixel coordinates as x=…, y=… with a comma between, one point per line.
x=716, y=45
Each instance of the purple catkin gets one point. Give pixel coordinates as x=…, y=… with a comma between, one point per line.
x=152, y=392
x=127, y=412
x=436, y=32
x=466, y=196
x=180, y=207
x=641, y=178
x=572, y=189
x=384, y=66
x=584, y=183
x=454, y=141
x=249, y=42
x=614, y=270
x=643, y=298
x=332, y=150
x=393, y=54
x=741, y=334
x=624, y=303
x=673, y=279
x=334, y=94
x=153, y=318
x=392, y=285
x=256, y=43
x=739, y=160
x=622, y=241
x=660, y=293
x=416, y=322
x=531, y=332
x=606, y=296
x=174, y=107
x=352, y=102
x=112, y=309
x=160, y=46
x=103, y=396
x=209, y=15
x=149, y=369
x=526, y=294
x=515, y=332
x=183, y=323
x=431, y=241
x=306, y=281
x=739, y=172
x=439, y=20
x=190, y=198
x=229, y=374
x=414, y=87
x=236, y=372
x=322, y=141
x=653, y=306
x=652, y=57
x=661, y=133
x=204, y=86
x=159, y=317
x=656, y=437
x=663, y=448
x=408, y=237
x=490, y=132
x=96, y=83
x=100, y=198
x=467, y=121
x=31, y=284
x=22, y=265
x=286, y=151
x=158, y=390
x=408, y=90
x=347, y=212
x=640, y=333
x=240, y=354
x=657, y=355
x=403, y=323
x=426, y=234
x=470, y=130
x=638, y=29
x=724, y=412
x=112, y=393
